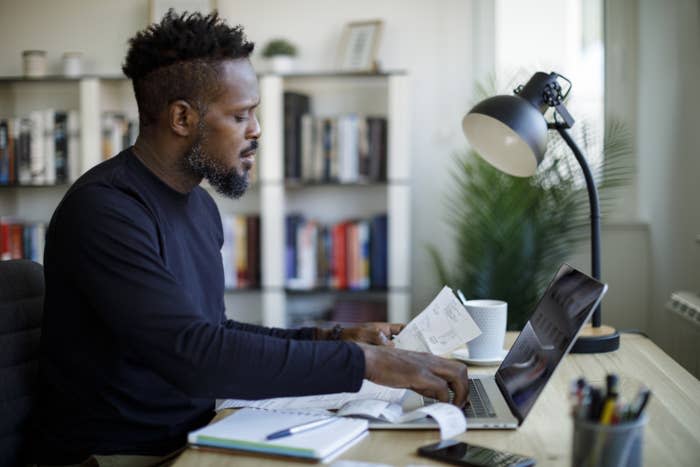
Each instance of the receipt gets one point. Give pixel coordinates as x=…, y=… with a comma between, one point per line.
x=450, y=418
x=381, y=410
x=440, y=328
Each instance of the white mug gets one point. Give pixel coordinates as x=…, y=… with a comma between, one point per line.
x=491, y=317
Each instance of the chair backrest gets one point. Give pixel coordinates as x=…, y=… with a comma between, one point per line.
x=21, y=305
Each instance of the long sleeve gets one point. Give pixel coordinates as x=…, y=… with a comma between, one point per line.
x=118, y=268
x=298, y=334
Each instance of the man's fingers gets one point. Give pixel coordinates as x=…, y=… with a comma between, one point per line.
x=434, y=387
x=395, y=328
x=456, y=375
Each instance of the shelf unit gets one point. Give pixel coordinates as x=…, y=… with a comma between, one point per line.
x=383, y=94
x=90, y=96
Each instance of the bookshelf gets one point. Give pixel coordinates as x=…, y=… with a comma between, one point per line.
x=270, y=196
x=384, y=94
x=81, y=102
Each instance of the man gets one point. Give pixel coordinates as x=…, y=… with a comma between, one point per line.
x=135, y=343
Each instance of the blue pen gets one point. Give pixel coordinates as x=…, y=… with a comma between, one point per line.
x=302, y=427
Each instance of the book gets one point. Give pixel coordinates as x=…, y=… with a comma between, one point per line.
x=379, y=277
x=37, y=156
x=253, y=250
x=295, y=106
x=241, y=250
x=228, y=252
x=377, y=148
x=247, y=429
x=73, y=156
x=4, y=152
x=60, y=144
x=49, y=144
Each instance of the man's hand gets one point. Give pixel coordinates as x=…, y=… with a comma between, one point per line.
x=427, y=374
x=372, y=333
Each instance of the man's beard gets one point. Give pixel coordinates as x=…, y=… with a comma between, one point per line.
x=227, y=182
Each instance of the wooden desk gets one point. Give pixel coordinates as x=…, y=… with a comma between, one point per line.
x=671, y=438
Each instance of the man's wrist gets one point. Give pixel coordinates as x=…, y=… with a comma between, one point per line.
x=333, y=334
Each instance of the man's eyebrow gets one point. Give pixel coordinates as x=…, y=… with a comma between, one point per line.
x=249, y=105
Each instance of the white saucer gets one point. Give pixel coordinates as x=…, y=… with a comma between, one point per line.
x=463, y=355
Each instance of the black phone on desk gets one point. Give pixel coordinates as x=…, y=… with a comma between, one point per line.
x=459, y=453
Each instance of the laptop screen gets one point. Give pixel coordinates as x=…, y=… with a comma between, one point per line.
x=547, y=337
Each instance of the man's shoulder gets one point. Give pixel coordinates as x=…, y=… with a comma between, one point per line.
x=108, y=184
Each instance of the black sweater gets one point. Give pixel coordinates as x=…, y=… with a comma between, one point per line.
x=135, y=343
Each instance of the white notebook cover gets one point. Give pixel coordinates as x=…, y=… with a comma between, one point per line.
x=248, y=428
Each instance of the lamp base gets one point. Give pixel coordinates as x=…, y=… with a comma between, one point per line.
x=596, y=340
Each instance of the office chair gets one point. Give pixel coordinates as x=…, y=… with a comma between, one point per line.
x=21, y=305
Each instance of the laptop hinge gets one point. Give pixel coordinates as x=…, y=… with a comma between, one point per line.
x=506, y=395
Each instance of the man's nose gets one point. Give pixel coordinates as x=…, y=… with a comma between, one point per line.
x=253, y=130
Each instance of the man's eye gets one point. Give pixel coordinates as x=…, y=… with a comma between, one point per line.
x=241, y=118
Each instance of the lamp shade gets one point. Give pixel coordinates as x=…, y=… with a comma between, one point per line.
x=508, y=132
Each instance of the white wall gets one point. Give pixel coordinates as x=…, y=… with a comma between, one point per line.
x=669, y=159
x=99, y=29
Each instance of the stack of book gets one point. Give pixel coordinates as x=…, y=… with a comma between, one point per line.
x=347, y=255
x=40, y=149
x=21, y=240
x=241, y=251
x=346, y=148
x=118, y=133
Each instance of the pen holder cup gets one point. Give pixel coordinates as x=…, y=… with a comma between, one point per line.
x=608, y=445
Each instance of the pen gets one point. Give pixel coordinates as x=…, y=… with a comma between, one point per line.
x=302, y=427
x=640, y=403
x=610, y=401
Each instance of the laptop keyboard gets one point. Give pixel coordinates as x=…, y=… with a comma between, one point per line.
x=479, y=402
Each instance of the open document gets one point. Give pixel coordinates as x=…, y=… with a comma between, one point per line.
x=368, y=391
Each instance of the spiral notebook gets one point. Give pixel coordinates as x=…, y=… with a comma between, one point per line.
x=247, y=429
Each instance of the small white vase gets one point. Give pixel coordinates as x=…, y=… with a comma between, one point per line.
x=281, y=63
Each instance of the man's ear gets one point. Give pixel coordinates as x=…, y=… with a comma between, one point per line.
x=183, y=119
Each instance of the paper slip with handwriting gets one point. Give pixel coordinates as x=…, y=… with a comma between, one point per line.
x=369, y=390
x=450, y=418
x=440, y=328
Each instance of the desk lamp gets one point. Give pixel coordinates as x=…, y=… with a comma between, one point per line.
x=510, y=133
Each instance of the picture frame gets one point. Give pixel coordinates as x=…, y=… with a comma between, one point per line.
x=158, y=8
x=359, y=45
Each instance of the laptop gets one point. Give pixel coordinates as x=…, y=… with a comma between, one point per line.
x=503, y=400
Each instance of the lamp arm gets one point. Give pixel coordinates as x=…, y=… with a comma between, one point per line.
x=595, y=211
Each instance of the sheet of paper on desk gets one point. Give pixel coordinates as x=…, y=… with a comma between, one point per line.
x=369, y=390
x=440, y=328
x=450, y=419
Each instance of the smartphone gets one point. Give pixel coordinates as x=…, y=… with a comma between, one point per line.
x=459, y=453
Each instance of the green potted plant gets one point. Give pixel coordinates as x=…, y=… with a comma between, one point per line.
x=511, y=233
x=280, y=54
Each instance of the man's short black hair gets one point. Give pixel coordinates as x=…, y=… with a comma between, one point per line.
x=177, y=59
